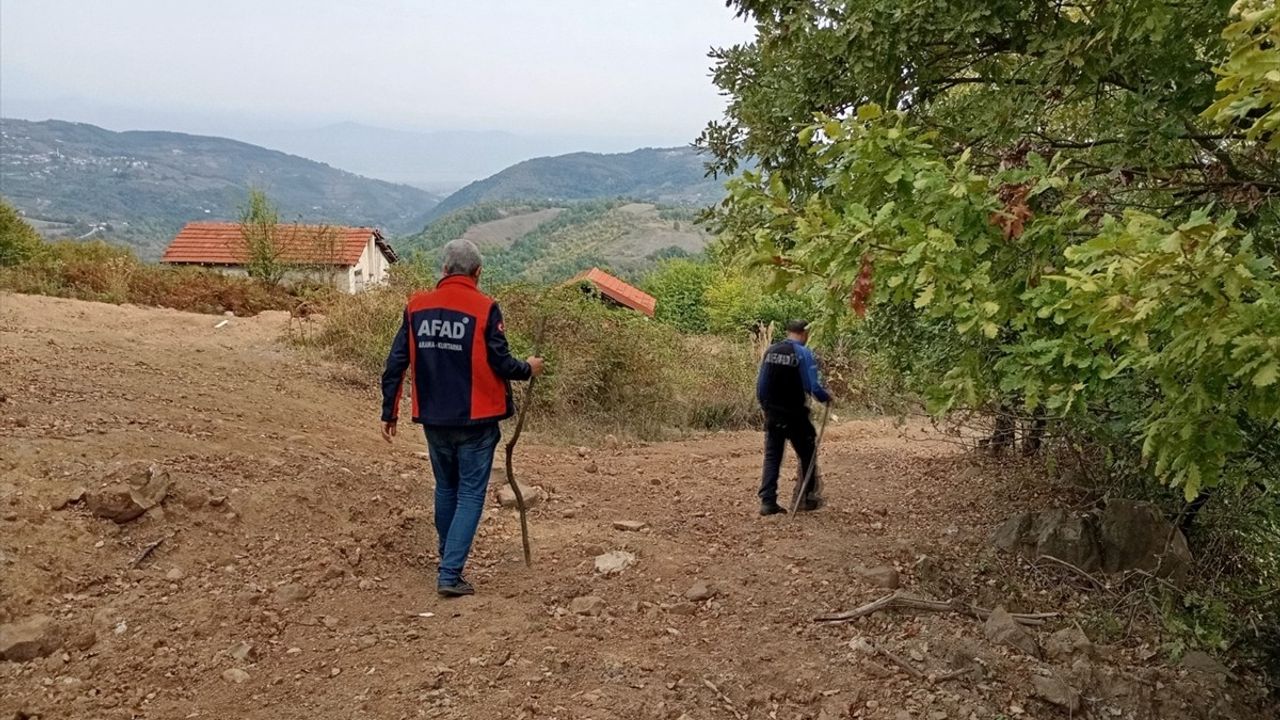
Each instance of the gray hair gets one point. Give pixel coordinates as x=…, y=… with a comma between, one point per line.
x=461, y=257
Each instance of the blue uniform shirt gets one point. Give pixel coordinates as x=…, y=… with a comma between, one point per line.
x=809, y=372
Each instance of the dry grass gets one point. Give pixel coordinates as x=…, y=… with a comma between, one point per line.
x=106, y=273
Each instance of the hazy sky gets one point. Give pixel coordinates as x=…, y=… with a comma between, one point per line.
x=633, y=68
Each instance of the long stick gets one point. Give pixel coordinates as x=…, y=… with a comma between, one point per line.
x=813, y=461
x=511, y=446
x=902, y=601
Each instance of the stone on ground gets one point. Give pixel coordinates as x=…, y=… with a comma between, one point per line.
x=122, y=502
x=1003, y=629
x=235, y=675
x=291, y=593
x=1056, y=691
x=71, y=497
x=1067, y=643
x=882, y=576
x=244, y=652
x=629, y=525
x=1202, y=662
x=532, y=495
x=614, y=562
x=589, y=605
x=30, y=638
x=699, y=592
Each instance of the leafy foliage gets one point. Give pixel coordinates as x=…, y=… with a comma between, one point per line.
x=680, y=287
x=18, y=240
x=1249, y=87
x=1038, y=205
x=1036, y=191
x=260, y=232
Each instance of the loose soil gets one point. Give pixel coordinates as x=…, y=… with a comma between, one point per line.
x=293, y=528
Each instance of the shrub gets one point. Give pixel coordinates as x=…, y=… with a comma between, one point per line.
x=101, y=272
x=680, y=287
x=18, y=240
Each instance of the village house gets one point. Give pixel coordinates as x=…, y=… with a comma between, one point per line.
x=350, y=258
x=616, y=292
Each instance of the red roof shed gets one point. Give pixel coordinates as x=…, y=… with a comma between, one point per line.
x=618, y=291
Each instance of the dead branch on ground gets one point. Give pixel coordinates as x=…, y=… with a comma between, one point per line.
x=902, y=601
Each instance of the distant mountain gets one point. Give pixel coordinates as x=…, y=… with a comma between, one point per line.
x=139, y=188
x=435, y=160
x=670, y=176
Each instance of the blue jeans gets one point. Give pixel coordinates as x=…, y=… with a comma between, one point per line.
x=461, y=459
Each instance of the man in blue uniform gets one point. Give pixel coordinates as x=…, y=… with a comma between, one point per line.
x=788, y=376
x=452, y=344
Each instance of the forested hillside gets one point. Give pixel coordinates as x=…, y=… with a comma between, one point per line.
x=548, y=242
x=139, y=188
x=671, y=176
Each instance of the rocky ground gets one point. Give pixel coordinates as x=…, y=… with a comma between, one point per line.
x=198, y=522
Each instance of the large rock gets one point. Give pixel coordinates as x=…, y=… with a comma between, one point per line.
x=1056, y=533
x=122, y=502
x=532, y=495
x=1136, y=536
x=1002, y=629
x=1056, y=691
x=1126, y=535
x=1072, y=538
x=33, y=637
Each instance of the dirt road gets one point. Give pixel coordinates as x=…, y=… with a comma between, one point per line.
x=295, y=539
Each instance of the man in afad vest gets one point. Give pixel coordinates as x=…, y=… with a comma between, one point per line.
x=453, y=340
x=788, y=375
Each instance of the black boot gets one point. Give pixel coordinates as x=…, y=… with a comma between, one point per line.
x=771, y=508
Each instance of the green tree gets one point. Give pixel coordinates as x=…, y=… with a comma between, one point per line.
x=1042, y=173
x=263, y=239
x=19, y=241
x=680, y=287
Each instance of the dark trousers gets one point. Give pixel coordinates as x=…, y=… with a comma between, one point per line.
x=778, y=431
x=461, y=460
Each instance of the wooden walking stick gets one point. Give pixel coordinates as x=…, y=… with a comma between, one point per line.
x=813, y=462
x=511, y=446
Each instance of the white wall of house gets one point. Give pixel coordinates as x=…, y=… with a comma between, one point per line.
x=370, y=270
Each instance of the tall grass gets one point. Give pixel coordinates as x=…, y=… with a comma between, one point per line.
x=108, y=273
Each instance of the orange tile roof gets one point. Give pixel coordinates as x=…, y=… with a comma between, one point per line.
x=619, y=291
x=221, y=243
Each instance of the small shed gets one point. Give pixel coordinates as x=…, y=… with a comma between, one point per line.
x=617, y=292
x=352, y=258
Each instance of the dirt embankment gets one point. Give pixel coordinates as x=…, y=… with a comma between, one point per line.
x=294, y=572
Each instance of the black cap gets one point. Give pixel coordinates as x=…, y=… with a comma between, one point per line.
x=797, y=326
